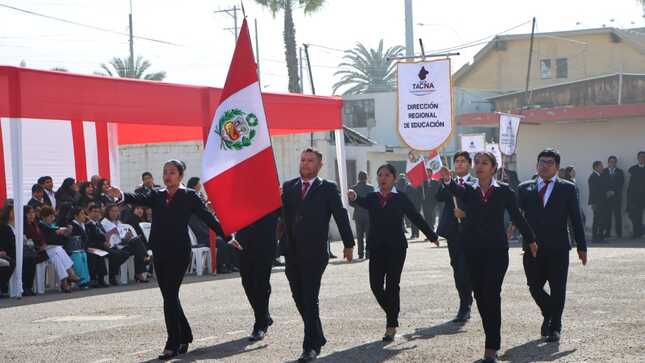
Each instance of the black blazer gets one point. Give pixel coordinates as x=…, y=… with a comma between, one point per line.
x=597, y=189
x=550, y=222
x=307, y=220
x=80, y=232
x=8, y=241
x=614, y=183
x=260, y=237
x=484, y=226
x=448, y=224
x=169, y=232
x=95, y=235
x=50, y=236
x=386, y=223
x=636, y=188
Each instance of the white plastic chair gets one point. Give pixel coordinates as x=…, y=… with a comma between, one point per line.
x=44, y=272
x=200, y=256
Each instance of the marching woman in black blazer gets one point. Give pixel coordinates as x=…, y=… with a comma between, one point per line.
x=172, y=207
x=485, y=241
x=386, y=238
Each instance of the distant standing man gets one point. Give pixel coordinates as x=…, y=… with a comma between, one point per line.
x=615, y=181
x=308, y=203
x=548, y=204
x=360, y=215
x=636, y=195
x=597, y=201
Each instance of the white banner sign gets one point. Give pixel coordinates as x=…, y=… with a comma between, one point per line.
x=425, y=119
x=509, y=127
x=473, y=143
x=494, y=149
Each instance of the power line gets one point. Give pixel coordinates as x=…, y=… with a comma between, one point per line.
x=24, y=11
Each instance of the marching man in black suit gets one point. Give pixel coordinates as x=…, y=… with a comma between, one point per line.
x=548, y=203
x=308, y=203
x=598, y=202
x=450, y=227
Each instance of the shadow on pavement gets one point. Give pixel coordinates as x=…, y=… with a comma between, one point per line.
x=376, y=351
x=536, y=350
x=218, y=351
x=447, y=328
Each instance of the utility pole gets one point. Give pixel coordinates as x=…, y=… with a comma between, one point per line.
x=131, y=60
x=232, y=12
x=313, y=89
x=302, y=88
x=527, y=97
x=409, y=30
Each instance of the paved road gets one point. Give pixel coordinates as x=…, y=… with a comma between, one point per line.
x=604, y=318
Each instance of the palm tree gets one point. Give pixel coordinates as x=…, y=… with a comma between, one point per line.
x=289, y=33
x=368, y=70
x=120, y=67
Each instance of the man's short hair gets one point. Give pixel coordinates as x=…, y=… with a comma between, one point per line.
x=640, y=153
x=464, y=154
x=145, y=174
x=614, y=158
x=314, y=151
x=46, y=211
x=362, y=175
x=43, y=179
x=36, y=188
x=550, y=153
x=596, y=164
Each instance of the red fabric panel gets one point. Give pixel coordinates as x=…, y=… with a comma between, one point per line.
x=3, y=174
x=67, y=96
x=78, y=139
x=143, y=134
x=233, y=191
x=103, y=149
x=240, y=72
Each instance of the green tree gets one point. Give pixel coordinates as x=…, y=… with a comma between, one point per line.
x=289, y=34
x=365, y=71
x=120, y=67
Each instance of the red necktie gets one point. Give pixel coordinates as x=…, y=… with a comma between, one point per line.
x=461, y=181
x=542, y=191
x=486, y=196
x=303, y=191
x=382, y=199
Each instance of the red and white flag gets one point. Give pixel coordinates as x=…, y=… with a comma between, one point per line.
x=415, y=170
x=238, y=167
x=434, y=164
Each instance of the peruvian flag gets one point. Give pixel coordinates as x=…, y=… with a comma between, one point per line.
x=434, y=164
x=415, y=170
x=238, y=167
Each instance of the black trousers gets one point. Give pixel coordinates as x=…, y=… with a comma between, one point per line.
x=304, y=279
x=386, y=266
x=550, y=266
x=362, y=228
x=28, y=272
x=460, y=273
x=636, y=215
x=137, y=248
x=5, y=273
x=487, y=268
x=116, y=258
x=614, y=214
x=170, y=273
x=599, y=221
x=255, y=271
x=430, y=214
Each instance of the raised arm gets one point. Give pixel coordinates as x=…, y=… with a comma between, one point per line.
x=415, y=217
x=198, y=208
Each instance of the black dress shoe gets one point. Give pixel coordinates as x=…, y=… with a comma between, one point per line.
x=168, y=355
x=554, y=337
x=257, y=335
x=308, y=356
x=28, y=292
x=183, y=348
x=546, y=327
x=489, y=360
x=113, y=281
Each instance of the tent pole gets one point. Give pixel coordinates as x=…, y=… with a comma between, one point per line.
x=17, y=179
x=342, y=164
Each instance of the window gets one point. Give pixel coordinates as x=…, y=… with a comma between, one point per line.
x=561, y=68
x=358, y=113
x=545, y=69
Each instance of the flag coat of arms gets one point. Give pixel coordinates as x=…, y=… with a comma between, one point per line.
x=238, y=167
x=415, y=170
x=434, y=164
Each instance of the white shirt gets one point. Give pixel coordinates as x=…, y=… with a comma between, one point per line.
x=391, y=191
x=79, y=224
x=549, y=188
x=493, y=183
x=52, y=197
x=612, y=171
x=465, y=178
x=310, y=181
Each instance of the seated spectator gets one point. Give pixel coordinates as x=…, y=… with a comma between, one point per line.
x=102, y=194
x=126, y=240
x=77, y=247
x=148, y=183
x=63, y=265
x=135, y=217
x=87, y=196
x=98, y=238
x=7, y=234
x=53, y=235
x=37, y=197
x=68, y=192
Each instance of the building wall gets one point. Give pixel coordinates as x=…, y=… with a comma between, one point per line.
x=580, y=144
x=588, y=55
